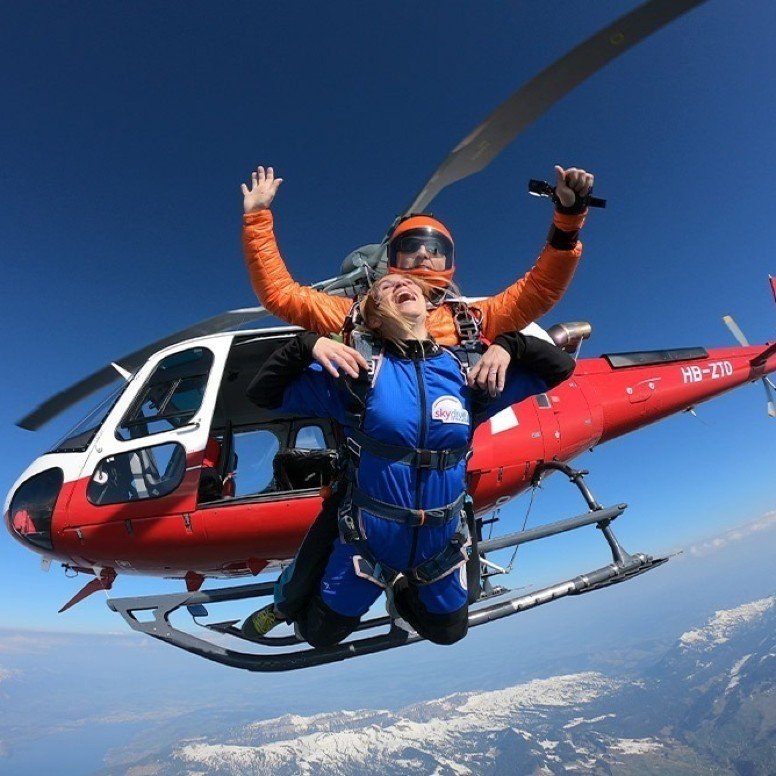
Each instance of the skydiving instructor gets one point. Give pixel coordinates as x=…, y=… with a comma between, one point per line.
x=420, y=246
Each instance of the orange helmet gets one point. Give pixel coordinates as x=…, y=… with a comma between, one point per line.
x=417, y=232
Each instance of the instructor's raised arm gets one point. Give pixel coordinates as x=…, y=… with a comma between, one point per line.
x=537, y=292
x=276, y=289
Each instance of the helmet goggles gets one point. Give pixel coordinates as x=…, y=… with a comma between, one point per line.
x=412, y=248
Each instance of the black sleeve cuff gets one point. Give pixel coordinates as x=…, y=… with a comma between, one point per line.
x=542, y=358
x=513, y=342
x=562, y=241
x=307, y=340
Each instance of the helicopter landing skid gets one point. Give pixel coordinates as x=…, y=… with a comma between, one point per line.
x=162, y=606
x=151, y=614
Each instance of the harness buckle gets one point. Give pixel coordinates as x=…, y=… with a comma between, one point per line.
x=353, y=446
x=425, y=459
x=467, y=325
x=369, y=571
x=350, y=532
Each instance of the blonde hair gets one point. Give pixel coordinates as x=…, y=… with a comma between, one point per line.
x=398, y=329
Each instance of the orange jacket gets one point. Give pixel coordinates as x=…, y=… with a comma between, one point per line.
x=514, y=308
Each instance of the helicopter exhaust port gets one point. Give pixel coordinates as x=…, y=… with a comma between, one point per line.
x=570, y=336
x=29, y=515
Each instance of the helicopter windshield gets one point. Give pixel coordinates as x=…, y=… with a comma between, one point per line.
x=80, y=437
x=171, y=397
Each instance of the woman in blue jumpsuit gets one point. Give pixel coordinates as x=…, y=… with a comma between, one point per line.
x=408, y=434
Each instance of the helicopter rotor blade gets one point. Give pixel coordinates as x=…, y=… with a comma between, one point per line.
x=227, y=321
x=736, y=331
x=500, y=128
x=65, y=399
x=473, y=154
x=768, y=385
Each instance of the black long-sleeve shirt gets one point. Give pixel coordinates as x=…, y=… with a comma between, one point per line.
x=266, y=390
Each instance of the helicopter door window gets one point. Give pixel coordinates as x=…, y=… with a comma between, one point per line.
x=255, y=452
x=309, y=464
x=151, y=472
x=310, y=438
x=171, y=397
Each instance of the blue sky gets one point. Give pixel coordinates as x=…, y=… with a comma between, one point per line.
x=127, y=130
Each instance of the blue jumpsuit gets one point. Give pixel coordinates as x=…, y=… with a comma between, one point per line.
x=420, y=400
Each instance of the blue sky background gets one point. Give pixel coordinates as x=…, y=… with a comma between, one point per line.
x=127, y=130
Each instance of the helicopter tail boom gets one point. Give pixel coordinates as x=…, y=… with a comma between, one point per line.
x=636, y=389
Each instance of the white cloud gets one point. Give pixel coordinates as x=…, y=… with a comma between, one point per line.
x=38, y=642
x=30, y=642
x=8, y=673
x=765, y=523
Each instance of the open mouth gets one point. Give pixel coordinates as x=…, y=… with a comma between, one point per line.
x=404, y=296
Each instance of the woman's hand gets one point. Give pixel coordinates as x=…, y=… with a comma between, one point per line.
x=264, y=186
x=330, y=354
x=571, y=184
x=491, y=370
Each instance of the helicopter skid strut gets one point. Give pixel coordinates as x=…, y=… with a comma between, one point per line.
x=158, y=609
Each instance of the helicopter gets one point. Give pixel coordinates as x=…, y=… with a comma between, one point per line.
x=151, y=482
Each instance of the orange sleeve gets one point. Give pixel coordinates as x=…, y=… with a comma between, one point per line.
x=277, y=290
x=537, y=292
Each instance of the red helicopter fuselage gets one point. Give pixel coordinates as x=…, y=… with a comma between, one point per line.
x=179, y=534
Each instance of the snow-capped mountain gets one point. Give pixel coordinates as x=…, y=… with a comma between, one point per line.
x=708, y=705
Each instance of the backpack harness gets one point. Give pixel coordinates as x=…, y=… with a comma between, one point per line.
x=455, y=554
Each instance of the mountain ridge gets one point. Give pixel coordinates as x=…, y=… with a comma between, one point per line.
x=713, y=689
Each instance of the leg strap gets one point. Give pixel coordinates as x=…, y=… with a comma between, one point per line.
x=410, y=517
x=452, y=557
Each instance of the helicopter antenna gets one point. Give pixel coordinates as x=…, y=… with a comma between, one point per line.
x=123, y=372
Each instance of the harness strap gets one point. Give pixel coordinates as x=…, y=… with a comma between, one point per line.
x=370, y=348
x=410, y=517
x=468, y=324
x=467, y=357
x=418, y=458
x=452, y=557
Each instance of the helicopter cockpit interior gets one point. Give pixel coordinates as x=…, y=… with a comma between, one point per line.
x=263, y=455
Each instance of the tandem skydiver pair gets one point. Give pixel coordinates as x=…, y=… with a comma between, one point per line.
x=396, y=517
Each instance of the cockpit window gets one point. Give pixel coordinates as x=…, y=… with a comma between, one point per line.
x=171, y=397
x=310, y=438
x=150, y=472
x=79, y=438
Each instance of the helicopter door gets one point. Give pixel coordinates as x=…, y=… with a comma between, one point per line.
x=568, y=424
x=146, y=462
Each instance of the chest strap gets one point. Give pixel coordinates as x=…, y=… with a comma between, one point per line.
x=409, y=456
x=410, y=517
x=468, y=324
